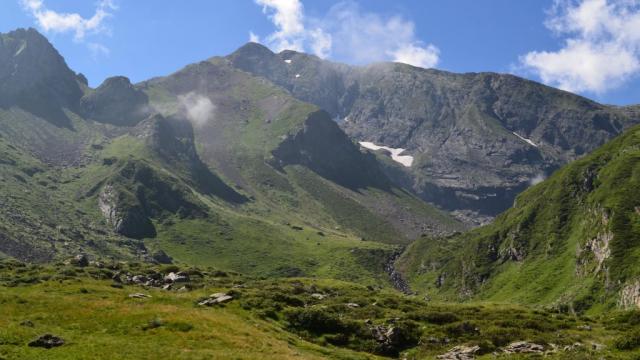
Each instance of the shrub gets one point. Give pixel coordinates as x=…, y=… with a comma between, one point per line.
x=628, y=341
x=317, y=321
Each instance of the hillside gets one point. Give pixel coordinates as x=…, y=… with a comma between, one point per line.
x=571, y=241
x=477, y=139
x=210, y=165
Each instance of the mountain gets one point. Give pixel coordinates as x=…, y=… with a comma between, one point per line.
x=209, y=166
x=571, y=241
x=477, y=139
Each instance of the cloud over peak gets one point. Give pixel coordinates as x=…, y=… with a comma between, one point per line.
x=346, y=33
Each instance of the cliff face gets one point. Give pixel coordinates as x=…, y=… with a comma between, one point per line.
x=35, y=77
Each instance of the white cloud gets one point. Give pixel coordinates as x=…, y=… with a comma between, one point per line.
x=53, y=21
x=426, y=57
x=601, y=45
x=253, y=37
x=347, y=33
x=197, y=108
x=287, y=16
x=98, y=49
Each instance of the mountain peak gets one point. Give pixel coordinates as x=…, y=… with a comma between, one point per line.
x=35, y=76
x=253, y=49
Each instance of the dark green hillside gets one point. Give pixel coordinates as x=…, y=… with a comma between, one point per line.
x=572, y=241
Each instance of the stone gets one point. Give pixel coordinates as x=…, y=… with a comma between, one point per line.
x=80, y=260
x=461, y=352
x=215, y=299
x=139, y=279
x=139, y=296
x=47, y=341
x=523, y=347
x=318, y=296
x=352, y=305
x=175, y=278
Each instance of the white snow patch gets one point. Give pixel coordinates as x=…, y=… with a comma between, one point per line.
x=297, y=76
x=528, y=141
x=288, y=61
x=406, y=160
x=22, y=47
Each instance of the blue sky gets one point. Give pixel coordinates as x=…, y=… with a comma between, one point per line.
x=591, y=47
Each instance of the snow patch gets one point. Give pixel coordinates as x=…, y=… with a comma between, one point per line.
x=288, y=61
x=406, y=160
x=22, y=47
x=528, y=141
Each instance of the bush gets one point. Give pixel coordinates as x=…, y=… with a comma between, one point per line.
x=317, y=321
x=629, y=341
x=438, y=318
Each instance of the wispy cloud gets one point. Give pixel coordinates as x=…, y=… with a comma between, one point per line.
x=347, y=33
x=59, y=22
x=601, y=45
x=197, y=108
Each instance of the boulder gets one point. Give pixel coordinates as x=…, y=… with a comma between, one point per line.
x=523, y=347
x=176, y=278
x=139, y=296
x=47, y=341
x=461, y=352
x=80, y=260
x=215, y=299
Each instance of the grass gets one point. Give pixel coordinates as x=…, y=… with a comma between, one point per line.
x=546, y=249
x=277, y=319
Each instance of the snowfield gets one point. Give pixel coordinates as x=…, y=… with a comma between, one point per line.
x=528, y=141
x=406, y=160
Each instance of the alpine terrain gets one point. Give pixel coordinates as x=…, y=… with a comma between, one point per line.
x=277, y=205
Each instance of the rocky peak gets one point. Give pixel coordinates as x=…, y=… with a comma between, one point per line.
x=116, y=101
x=35, y=77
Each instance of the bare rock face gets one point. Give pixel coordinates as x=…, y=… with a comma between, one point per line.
x=326, y=150
x=35, y=77
x=130, y=221
x=630, y=295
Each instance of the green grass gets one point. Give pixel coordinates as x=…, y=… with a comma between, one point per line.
x=540, y=252
x=276, y=319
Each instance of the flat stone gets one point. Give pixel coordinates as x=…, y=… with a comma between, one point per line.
x=139, y=296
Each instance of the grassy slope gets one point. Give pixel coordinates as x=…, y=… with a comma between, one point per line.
x=271, y=319
x=551, y=231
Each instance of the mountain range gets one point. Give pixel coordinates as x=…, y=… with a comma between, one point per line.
x=476, y=188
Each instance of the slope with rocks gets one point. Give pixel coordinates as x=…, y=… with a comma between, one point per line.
x=477, y=139
x=571, y=241
x=209, y=165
